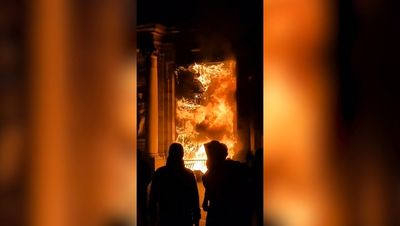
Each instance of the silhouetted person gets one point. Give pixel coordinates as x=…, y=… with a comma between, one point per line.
x=144, y=172
x=226, y=183
x=174, y=199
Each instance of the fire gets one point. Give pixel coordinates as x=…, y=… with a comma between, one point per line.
x=206, y=109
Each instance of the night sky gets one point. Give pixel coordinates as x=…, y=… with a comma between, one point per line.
x=196, y=12
x=238, y=21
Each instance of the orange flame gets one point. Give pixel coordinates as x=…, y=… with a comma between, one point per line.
x=209, y=115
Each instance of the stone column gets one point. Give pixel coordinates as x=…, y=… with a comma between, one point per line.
x=170, y=99
x=166, y=97
x=150, y=40
x=171, y=102
x=152, y=141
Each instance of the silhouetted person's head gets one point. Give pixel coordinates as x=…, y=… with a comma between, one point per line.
x=216, y=153
x=175, y=155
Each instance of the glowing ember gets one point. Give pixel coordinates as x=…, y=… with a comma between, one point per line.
x=205, y=109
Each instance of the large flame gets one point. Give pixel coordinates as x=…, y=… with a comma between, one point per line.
x=209, y=113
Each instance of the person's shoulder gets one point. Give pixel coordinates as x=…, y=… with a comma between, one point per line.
x=188, y=171
x=236, y=165
x=233, y=163
x=161, y=170
x=206, y=176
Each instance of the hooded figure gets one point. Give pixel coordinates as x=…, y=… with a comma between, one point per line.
x=226, y=183
x=174, y=199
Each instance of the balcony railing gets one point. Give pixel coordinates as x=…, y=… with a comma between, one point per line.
x=195, y=164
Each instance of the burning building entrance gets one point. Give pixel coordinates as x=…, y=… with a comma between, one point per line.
x=205, y=109
x=189, y=96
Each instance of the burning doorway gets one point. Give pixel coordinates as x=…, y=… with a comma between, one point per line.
x=205, y=109
x=189, y=96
